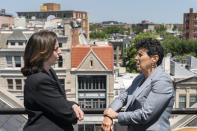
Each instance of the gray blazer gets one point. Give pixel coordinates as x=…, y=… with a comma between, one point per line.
x=148, y=105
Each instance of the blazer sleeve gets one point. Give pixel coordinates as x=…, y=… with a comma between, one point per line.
x=121, y=100
x=47, y=95
x=158, y=99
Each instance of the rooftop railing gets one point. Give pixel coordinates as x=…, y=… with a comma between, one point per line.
x=21, y=111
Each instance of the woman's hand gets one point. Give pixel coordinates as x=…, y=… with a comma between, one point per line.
x=107, y=124
x=79, y=113
x=111, y=113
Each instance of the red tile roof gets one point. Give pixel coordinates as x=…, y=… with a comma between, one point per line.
x=104, y=53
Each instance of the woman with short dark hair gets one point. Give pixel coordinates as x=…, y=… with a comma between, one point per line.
x=44, y=98
x=149, y=100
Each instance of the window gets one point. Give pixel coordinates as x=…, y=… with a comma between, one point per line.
x=18, y=84
x=115, y=46
x=9, y=61
x=182, y=101
x=193, y=100
x=91, y=92
x=91, y=63
x=12, y=43
x=116, y=92
x=60, y=44
x=20, y=43
x=93, y=103
x=10, y=83
x=60, y=62
x=92, y=82
x=17, y=60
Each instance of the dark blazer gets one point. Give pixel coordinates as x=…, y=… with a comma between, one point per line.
x=148, y=104
x=46, y=104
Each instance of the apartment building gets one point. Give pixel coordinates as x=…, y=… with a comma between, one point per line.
x=190, y=25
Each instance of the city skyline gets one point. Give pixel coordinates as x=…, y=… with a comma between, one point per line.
x=123, y=11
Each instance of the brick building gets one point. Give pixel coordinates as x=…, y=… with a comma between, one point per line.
x=6, y=20
x=190, y=25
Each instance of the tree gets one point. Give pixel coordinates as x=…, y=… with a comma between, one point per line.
x=174, y=28
x=98, y=35
x=179, y=47
x=96, y=31
x=114, y=29
x=137, y=30
x=141, y=36
x=129, y=58
x=161, y=29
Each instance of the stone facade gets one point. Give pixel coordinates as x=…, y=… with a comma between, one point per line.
x=186, y=92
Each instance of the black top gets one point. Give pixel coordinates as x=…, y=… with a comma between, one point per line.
x=46, y=104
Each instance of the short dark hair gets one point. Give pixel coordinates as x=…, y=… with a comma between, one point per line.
x=39, y=48
x=152, y=46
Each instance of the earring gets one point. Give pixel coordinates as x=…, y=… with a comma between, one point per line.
x=154, y=65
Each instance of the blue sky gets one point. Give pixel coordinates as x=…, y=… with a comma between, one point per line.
x=129, y=11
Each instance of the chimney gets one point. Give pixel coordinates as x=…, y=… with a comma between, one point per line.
x=75, y=36
x=191, y=10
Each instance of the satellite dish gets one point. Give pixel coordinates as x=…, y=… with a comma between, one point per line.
x=78, y=22
x=50, y=17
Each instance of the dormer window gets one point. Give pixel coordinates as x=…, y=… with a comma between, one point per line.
x=20, y=43
x=16, y=44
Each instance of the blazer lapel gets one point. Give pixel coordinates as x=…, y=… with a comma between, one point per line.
x=142, y=87
x=148, y=81
x=131, y=97
x=139, y=88
x=57, y=80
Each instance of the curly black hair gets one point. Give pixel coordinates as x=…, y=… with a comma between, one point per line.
x=152, y=46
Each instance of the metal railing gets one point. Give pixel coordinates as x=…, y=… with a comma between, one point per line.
x=20, y=111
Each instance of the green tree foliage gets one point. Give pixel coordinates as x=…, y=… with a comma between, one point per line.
x=129, y=58
x=174, y=28
x=141, y=36
x=130, y=52
x=161, y=29
x=94, y=27
x=97, y=31
x=114, y=29
x=137, y=30
x=180, y=47
x=98, y=35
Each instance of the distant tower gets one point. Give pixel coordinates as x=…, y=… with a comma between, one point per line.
x=50, y=7
x=190, y=25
